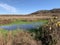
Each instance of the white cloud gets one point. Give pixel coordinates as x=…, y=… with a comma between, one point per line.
x=8, y=7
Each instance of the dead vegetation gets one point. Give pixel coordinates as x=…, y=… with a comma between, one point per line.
x=18, y=38
x=5, y=21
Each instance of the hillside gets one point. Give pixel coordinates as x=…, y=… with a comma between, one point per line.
x=47, y=12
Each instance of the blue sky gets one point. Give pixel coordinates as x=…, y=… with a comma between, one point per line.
x=26, y=6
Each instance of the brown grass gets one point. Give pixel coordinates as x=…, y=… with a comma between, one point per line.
x=17, y=38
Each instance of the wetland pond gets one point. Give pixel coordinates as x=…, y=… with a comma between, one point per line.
x=32, y=25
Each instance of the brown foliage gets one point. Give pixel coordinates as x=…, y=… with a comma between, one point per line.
x=19, y=38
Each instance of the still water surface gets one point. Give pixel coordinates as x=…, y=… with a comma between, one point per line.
x=22, y=26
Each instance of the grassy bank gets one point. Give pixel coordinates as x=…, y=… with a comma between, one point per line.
x=24, y=22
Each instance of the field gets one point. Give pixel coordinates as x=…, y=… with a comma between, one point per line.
x=19, y=21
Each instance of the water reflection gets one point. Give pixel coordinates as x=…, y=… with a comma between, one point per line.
x=22, y=26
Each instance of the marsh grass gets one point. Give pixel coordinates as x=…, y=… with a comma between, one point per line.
x=16, y=37
x=23, y=22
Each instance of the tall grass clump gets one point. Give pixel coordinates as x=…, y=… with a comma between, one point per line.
x=16, y=37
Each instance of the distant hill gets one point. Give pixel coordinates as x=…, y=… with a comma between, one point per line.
x=47, y=12
x=51, y=12
x=41, y=14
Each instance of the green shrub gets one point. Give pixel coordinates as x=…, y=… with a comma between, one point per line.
x=47, y=33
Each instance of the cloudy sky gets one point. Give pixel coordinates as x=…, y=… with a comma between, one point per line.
x=26, y=6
